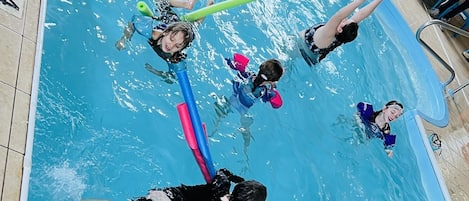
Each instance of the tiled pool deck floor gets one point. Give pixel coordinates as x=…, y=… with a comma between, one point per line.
x=18, y=31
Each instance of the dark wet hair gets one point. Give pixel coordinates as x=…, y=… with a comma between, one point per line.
x=393, y=102
x=270, y=70
x=186, y=29
x=349, y=33
x=249, y=191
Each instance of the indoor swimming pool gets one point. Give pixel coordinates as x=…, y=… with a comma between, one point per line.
x=106, y=128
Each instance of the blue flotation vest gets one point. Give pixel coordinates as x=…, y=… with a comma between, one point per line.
x=244, y=96
x=372, y=130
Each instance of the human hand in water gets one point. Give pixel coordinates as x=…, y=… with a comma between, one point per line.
x=229, y=62
x=389, y=153
x=239, y=62
x=269, y=84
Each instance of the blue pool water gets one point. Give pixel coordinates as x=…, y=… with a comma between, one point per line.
x=106, y=128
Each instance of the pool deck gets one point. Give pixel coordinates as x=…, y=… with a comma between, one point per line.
x=19, y=29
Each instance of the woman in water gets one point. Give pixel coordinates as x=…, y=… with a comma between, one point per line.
x=249, y=87
x=323, y=38
x=217, y=190
x=377, y=123
x=166, y=34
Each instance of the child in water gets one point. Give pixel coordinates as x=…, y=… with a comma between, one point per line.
x=166, y=34
x=217, y=190
x=324, y=37
x=248, y=88
x=377, y=123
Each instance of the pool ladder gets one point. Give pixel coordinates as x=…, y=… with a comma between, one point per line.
x=454, y=29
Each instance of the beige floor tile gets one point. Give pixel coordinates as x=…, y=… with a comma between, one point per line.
x=458, y=194
x=6, y=101
x=457, y=189
x=25, y=71
x=32, y=20
x=19, y=126
x=13, y=175
x=10, y=51
x=13, y=11
x=11, y=21
x=3, y=161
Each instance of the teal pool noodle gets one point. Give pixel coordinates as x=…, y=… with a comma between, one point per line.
x=144, y=9
x=195, y=15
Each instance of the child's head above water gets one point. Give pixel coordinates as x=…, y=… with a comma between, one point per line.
x=349, y=32
x=176, y=37
x=392, y=110
x=270, y=70
x=249, y=191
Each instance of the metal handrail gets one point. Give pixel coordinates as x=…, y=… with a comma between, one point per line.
x=445, y=26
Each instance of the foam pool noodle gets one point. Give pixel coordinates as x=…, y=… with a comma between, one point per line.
x=144, y=9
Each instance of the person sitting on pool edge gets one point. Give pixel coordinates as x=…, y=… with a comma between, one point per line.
x=323, y=38
x=378, y=122
x=166, y=34
x=217, y=190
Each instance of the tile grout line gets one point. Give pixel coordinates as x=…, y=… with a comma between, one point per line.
x=12, y=111
x=12, y=117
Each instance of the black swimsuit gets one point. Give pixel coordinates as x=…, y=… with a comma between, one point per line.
x=219, y=187
x=319, y=52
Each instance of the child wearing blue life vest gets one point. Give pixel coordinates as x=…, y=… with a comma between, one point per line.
x=377, y=123
x=248, y=88
x=166, y=34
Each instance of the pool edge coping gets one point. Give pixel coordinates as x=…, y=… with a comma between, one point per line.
x=27, y=161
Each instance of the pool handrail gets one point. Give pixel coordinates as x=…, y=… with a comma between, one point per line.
x=452, y=28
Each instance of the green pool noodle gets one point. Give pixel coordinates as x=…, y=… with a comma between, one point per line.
x=144, y=9
x=198, y=14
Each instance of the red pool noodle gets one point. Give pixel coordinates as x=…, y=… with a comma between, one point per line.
x=191, y=139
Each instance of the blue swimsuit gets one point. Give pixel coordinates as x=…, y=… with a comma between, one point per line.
x=372, y=129
x=244, y=96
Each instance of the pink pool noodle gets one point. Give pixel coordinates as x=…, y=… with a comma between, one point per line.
x=191, y=139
